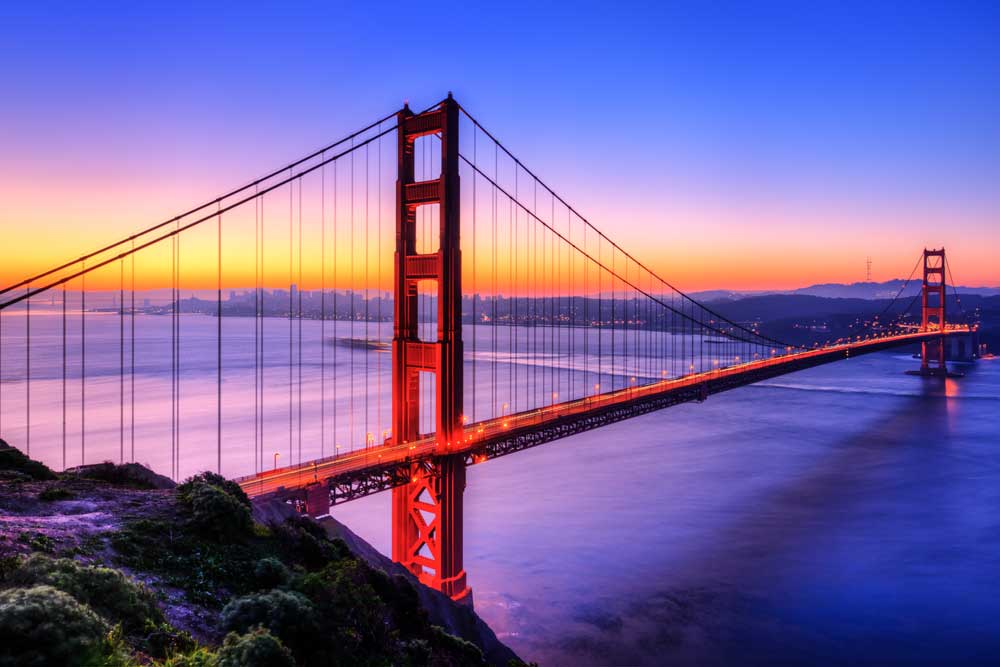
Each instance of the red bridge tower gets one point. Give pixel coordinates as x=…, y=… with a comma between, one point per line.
x=932, y=353
x=427, y=512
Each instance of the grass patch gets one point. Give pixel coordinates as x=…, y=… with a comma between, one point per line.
x=54, y=493
x=37, y=542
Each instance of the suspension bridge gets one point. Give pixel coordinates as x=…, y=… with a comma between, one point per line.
x=379, y=315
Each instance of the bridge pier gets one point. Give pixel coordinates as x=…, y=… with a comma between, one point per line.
x=317, y=500
x=427, y=512
x=427, y=518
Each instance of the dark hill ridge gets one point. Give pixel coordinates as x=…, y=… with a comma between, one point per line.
x=860, y=290
x=802, y=319
x=887, y=289
x=779, y=306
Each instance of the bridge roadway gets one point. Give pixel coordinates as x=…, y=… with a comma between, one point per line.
x=382, y=467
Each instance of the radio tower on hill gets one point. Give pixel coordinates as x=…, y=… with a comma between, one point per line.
x=868, y=270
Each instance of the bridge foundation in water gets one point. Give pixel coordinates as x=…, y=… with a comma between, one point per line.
x=427, y=512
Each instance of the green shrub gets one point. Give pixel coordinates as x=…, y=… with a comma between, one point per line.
x=357, y=621
x=219, y=482
x=55, y=493
x=44, y=626
x=162, y=640
x=12, y=459
x=199, y=657
x=288, y=615
x=37, y=541
x=255, y=649
x=115, y=651
x=215, y=512
x=200, y=566
x=270, y=573
x=440, y=649
x=109, y=592
x=448, y=649
x=304, y=541
x=404, y=600
x=9, y=565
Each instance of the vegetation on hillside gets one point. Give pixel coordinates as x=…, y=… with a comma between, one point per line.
x=189, y=579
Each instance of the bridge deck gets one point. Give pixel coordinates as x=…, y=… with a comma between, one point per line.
x=360, y=473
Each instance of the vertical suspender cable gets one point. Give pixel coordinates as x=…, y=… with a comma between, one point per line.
x=256, y=330
x=173, y=357
x=132, y=354
x=218, y=352
x=322, y=308
x=493, y=266
x=614, y=323
x=586, y=321
x=535, y=296
x=64, y=376
x=291, y=312
x=260, y=338
x=173, y=266
x=378, y=285
x=1, y=373
x=299, y=400
x=336, y=372
x=177, y=342
x=121, y=361
x=352, y=310
x=511, y=312
x=27, y=384
x=366, y=297
x=475, y=269
x=600, y=315
x=554, y=304
x=83, y=366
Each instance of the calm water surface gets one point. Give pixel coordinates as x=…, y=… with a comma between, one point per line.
x=848, y=514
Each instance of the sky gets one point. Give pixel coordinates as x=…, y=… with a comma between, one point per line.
x=760, y=145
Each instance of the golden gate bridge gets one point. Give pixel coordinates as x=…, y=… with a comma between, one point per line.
x=464, y=313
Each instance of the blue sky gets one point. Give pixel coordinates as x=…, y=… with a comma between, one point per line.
x=774, y=128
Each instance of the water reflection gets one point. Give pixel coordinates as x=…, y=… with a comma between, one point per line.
x=854, y=520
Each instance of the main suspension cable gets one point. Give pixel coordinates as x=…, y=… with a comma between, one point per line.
x=615, y=245
x=616, y=275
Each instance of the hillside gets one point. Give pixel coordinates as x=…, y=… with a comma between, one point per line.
x=113, y=565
